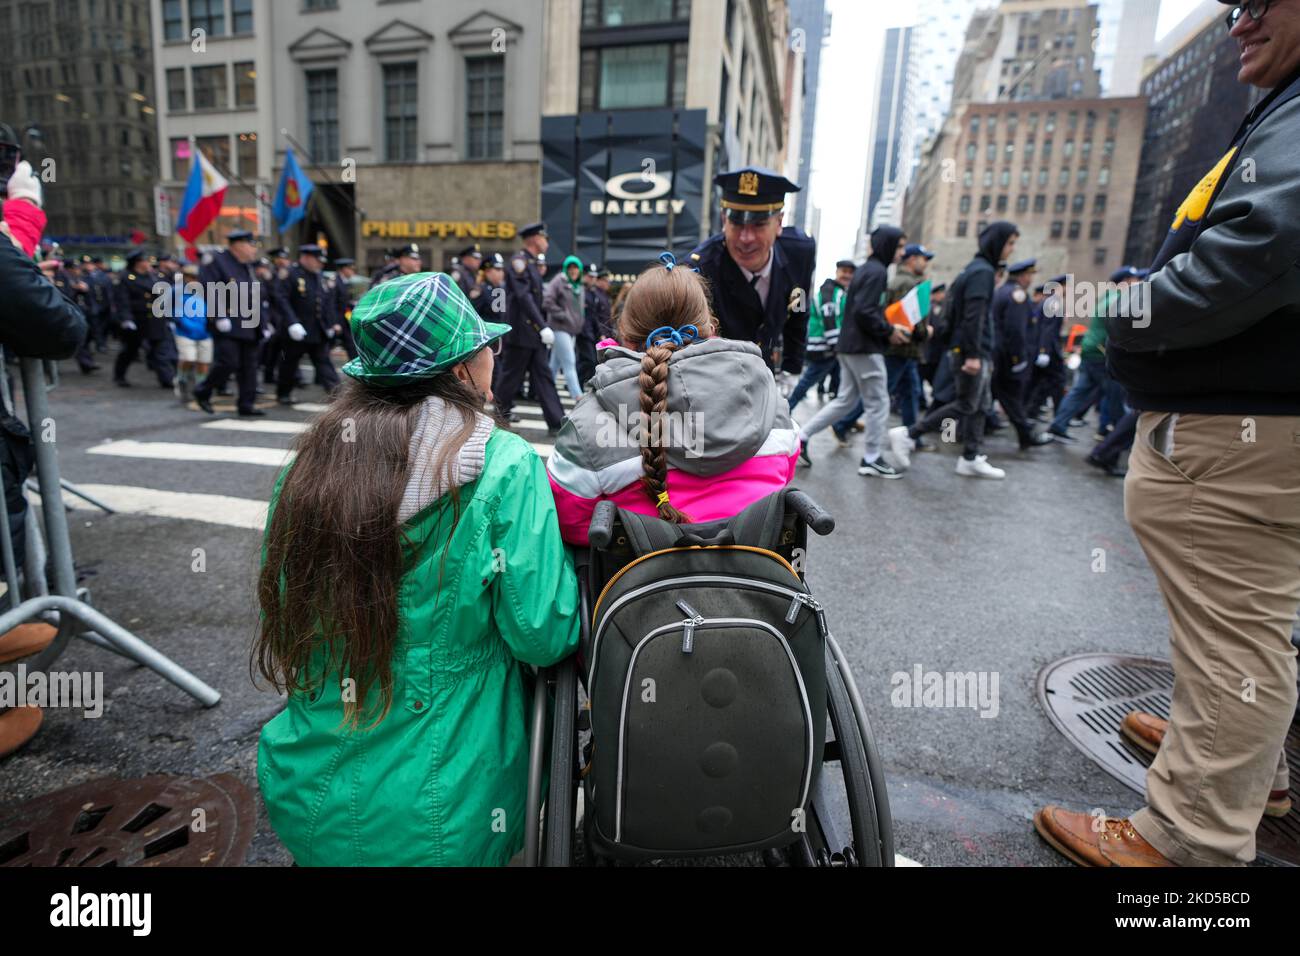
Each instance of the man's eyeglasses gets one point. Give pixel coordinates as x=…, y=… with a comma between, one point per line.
x=1256, y=9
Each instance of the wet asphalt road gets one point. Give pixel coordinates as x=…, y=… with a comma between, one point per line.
x=934, y=570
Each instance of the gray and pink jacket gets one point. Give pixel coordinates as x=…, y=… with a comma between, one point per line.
x=727, y=433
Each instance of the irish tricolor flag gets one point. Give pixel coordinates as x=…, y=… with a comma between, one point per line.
x=203, y=197
x=911, y=308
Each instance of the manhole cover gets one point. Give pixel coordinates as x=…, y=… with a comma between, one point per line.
x=1087, y=696
x=150, y=821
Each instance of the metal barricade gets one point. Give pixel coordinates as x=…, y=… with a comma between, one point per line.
x=48, y=540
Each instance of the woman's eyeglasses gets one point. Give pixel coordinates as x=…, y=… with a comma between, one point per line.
x=1256, y=9
x=495, y=345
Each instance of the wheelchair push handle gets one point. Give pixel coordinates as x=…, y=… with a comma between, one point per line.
x=601, y=530
x=813, y=515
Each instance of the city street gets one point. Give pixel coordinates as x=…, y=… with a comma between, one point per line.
x=1015, y=589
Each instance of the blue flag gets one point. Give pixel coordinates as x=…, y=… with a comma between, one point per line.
x=291, y=198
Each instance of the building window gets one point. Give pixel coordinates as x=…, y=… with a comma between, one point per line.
x=400, y=112
x=1099, y=204
x=1059, y=204
x=1063, y=178
x=1040, y=203
x=210, y=87
x=991, y=152
x=1002, y=202
x=1005, y=179
x=626, y=13
x=1081, y=178
x=964, y=205
x=241, y=16
x=173, y=20
x=1095, y=228
x=176, y=90
x=986, y=204
x=180, y=152
x=1085, y=151
x=988, y=178
x=245, y=84
x=642, y=76
x=217, y=149
x=1047, y=150
x=1029, y=151
x=1058, y=229
x=1022, y=203
x=975, y=125
x=962, y=226
x=247, y=146
x=1025, y=176
x=968, y=178
x=1103, y=176
x=323, y=115
x=1076, y=230
x=208, y=16
x=1042, y=176
x=485, y=82
x=1100, y=256
x=1068, y=150
x=1078, y=204
x=981, y=226
x=971, y=152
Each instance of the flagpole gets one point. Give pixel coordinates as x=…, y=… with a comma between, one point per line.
x=311, y=161
x=239, y=180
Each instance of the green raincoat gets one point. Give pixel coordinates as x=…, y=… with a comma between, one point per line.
x=441, y=780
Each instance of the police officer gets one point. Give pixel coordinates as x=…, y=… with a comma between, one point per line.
x=760, y=274
x=525, y=346
x=406, y=260
x=1049, y=378
x=135, y=295
x=100, y=299
x=159, y=334
x=236, y=336
x=465, y=270
x=490, y=295
x=1015, y=349
x=312, y=321
x=67, y=278
x=596, y=320
x=344, y=272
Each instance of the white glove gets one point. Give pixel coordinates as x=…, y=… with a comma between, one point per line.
x=1017, y=369
x=223, y=325
x=548, y=336
x=297, y=332
x=1043, y=360
x=129, y=325
x=23, y=184
x=267, y=331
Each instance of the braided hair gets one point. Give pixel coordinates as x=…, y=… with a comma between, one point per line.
x=662, y=296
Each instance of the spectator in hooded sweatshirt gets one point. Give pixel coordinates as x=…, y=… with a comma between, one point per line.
x=970, y=337
x=564, y=303
x=864, y=338
x=1207, y=350
x=823, y=333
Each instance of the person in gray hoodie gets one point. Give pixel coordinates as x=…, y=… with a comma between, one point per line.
x=564, y=305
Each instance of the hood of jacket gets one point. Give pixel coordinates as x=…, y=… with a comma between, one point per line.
x=884, y=244
x=994, y=238
x=438, y=424
x=723, y=407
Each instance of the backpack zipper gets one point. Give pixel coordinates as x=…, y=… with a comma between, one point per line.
x=693, y=620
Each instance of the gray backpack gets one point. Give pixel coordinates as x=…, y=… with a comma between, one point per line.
x=707, y=685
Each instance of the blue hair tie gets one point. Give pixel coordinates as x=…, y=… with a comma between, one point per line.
x=665, y=335
x=668, y=259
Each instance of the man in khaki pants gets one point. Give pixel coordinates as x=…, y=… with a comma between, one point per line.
x=1209, y=352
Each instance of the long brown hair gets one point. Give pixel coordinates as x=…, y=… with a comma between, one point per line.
x=660, y=296
x=334, y=547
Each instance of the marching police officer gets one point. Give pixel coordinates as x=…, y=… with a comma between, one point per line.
x=761, y=274
x=406, y=260
x=67, y=278
x=465, y=270
x=313, y=320
x=236, y=337
x=135, y=295
x=344, y=271
x=596, y=320
x=525, y=347
x=101, y=300
x=1049, y=376
x=490, y=295
x=1015, y=350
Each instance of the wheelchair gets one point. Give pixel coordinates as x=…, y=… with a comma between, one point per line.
x=845, y=819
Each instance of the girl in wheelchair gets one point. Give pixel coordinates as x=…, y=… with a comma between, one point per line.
x=676, y=422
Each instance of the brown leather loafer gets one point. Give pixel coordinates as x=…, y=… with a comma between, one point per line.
x=1144, y=731
x=1077, y=838
x=26, y=640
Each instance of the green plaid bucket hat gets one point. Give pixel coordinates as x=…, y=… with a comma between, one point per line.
x=413, y=327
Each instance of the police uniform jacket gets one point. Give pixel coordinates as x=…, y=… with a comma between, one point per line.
x=101, y=293
x=466, y=280
x=524, y=301
x=311, y=304
x=225, y=268
x=782, y=324
x=1012, y=310
x=135, y=295
x=597, y=316
x=485, y=297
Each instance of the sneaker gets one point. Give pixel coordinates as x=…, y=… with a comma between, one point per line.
x=1077, y=423
x=841, y=437
x=804, y=460
x=1065, y=438
x=1111, y=468
x=901, y=445
x=878, y=469
x=979, y=468
x=1036, y=440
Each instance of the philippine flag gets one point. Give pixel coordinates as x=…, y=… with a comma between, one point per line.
x=203, y=197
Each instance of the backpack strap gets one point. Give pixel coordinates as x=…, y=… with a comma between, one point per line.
x=759, y=525
x=647, y=533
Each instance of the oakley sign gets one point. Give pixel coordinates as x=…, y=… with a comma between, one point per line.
x=646, y=202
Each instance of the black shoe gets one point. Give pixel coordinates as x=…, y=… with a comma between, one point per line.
x=253, y=413
x=121, y=383
x=840, y=436
x=88, y=369
x=205, y=402
x=513, y=417
x=1111, y=468
x=878, y=469
x=805, y=461
x=284, y=400
x=1065, y=438
x=552, y=430
x=1035, y=441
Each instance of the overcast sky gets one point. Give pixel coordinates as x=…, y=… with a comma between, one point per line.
x=849, y=67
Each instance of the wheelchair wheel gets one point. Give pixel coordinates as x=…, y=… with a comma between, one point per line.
x=856, y=791
x=557, y=845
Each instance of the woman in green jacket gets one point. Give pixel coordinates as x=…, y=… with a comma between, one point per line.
x=412, y=567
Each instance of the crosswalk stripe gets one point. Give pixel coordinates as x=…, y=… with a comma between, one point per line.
x=212, y=509
x=311, y=408
x=264, y=427
x=181, y=451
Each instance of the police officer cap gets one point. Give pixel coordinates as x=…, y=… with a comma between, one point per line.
x=410, y=249
x=916, y=249
x=941, y=287
x=1125, y=272
x=239, y=235
x=753, y=194
x=494, y=261
x=342, y=263
x=1058, y=280
x=605, y=274
x=166, y=256
x=473, y=250
x=846, y=264
x=263, y=262
x=1023, y=265
x=281, y=253
x=135, y=255
x=533, y=229
x=97, y=260
x=593, y=269
x=86, y=259
x=311, y=249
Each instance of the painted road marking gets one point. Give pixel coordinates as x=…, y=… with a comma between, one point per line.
x=181, y=451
